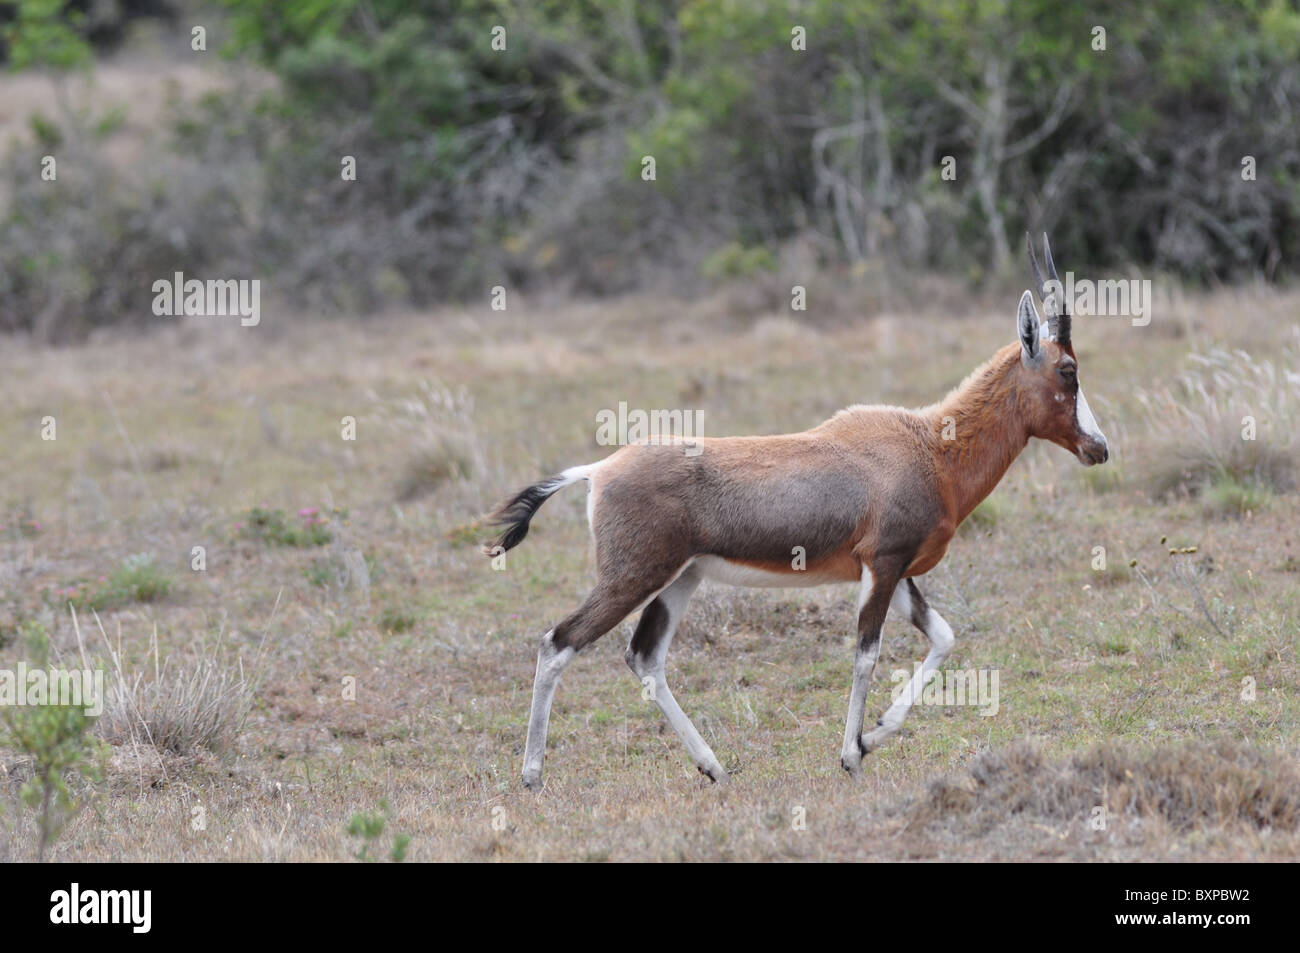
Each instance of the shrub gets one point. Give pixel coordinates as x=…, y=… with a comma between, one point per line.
x=60, y=743
x=369, y=827
x=734, y=260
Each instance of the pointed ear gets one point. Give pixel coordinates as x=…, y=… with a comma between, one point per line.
x=1029, y=330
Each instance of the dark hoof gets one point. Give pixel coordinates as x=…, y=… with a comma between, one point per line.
x=720, y=779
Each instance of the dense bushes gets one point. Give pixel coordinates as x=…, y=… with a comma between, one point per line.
x=478, y=166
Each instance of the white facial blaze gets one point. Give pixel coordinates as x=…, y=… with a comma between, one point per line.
x=1087, y=422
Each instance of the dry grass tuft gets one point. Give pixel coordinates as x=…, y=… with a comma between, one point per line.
x=1200, y=427
x=1188, y=785
x=436, y=426
x=177, y=707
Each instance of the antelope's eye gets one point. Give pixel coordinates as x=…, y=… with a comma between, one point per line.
x=1068, y=372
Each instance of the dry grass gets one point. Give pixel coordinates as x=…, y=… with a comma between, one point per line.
x=179, y=707
x=1189, y=786
x=1226, y=426
x=1109, y=672
x=435, y=429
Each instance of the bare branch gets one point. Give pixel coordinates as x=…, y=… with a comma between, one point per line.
x=961, y=100
x=1048, y=126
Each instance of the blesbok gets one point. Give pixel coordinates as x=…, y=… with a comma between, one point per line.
x=872, y=496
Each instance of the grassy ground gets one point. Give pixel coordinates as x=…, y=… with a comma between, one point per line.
x=1127, y=688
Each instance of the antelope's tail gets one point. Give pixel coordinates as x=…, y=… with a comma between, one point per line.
x=515, y=513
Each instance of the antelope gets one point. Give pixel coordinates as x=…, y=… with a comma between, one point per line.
x=872, y=496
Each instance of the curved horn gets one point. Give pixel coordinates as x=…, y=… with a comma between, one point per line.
x=1039, y=283
x=1060, y=322
x=1058, y=315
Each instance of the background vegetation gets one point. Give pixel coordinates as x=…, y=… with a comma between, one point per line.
x=522, y=166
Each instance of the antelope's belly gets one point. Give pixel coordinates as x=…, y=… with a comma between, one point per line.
x=769, y=575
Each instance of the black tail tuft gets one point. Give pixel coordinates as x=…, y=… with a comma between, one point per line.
x=514, y=514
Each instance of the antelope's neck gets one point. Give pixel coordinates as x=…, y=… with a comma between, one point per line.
x=981, y=430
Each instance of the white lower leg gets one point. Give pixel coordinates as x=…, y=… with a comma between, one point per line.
x=864, y=663
x=654, y=683
x=698, y=748
x=941, y=643
x=550, y=663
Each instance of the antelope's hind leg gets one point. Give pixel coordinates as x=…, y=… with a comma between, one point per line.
x=646, y=653
x=605, y=607
x=551, y=661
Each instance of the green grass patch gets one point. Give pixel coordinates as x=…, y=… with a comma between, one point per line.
x=394, y=619
x=139, y=579
x=277, y=528
x=1230, y=496
x=984, y=517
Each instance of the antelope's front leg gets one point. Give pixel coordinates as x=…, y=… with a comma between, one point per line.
x=909, y=602
x=873, y=603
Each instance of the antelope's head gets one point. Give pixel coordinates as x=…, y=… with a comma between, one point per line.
x=1054, y=401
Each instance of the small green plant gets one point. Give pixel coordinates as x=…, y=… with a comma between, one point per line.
x=394, y=619
x=59, y=741
x=138, y=579
x=1114, y=646
x=370, y=828
x=984, y=517
x=320, y=573
x=1230, y=496
x=277, y=528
